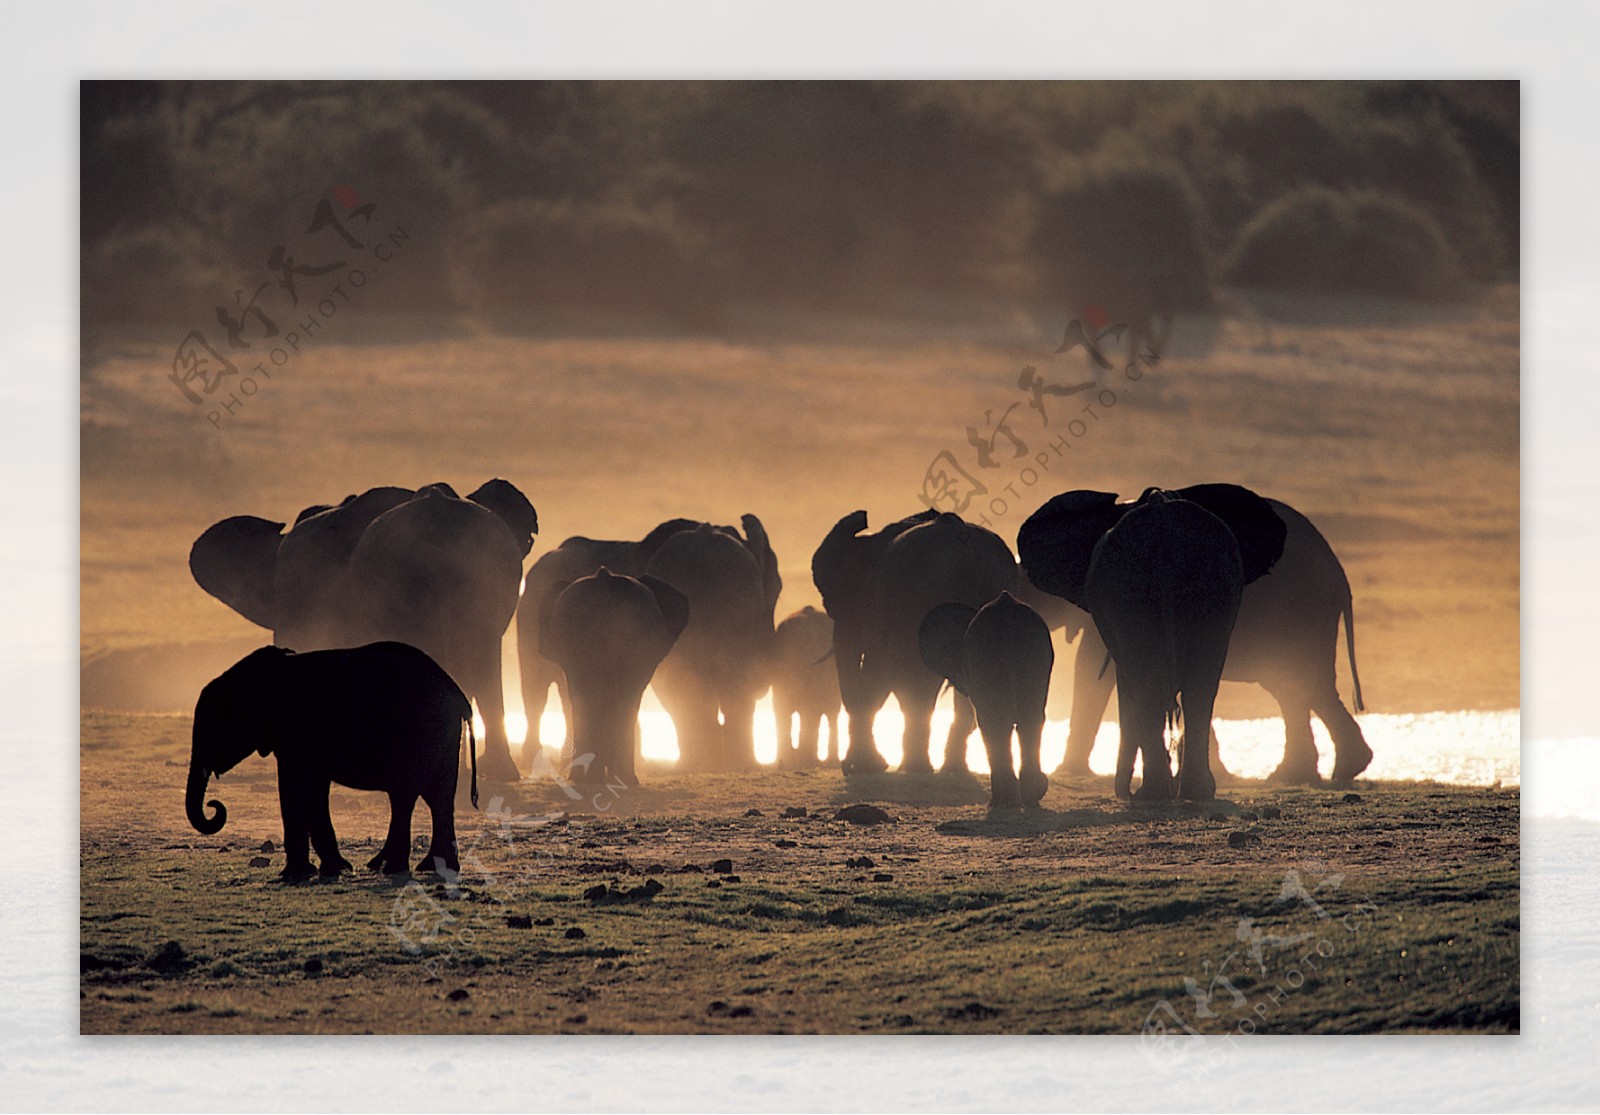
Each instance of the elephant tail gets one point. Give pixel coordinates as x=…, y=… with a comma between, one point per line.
x=472, y=749
x=1350, y=648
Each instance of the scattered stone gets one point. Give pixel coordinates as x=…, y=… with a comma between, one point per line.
x=1248, y=816
x=655, y=869
x=690, y=869
x=795, y=811
x=862, y=814
x=730, y=879
x=723, y=867
x=718, y=1007
x=260, y=861
x=169, y=959
x=753, y=813
x=784, y=844
x=460, y=994
x=519, y=921
x=882, y=877
x=266, y=846
x=1242, y=839
x=973, y=1011
x=575, y=934
x=313, y=967
x=860, y=861
x=577, y=1020
x=544, y=921
x=1352, y=799
x=713, y=882
x=596, y=893
x=1271, y=812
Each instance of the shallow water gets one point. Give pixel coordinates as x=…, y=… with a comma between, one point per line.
x=1469, y=748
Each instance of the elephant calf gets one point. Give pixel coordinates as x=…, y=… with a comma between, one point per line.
x=805, y=681
x=380, y=717
x=1000, y=657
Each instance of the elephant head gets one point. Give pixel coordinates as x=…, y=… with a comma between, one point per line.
x=503, y=498
x=1000, y=657
x=609, y=632
x=233, y=717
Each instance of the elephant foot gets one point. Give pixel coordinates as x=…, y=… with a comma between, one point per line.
x=916, y=764
x=1297, y=774
x=1197, y=788
x=867, y=762
x=335, y=866
x=1004, y=797
x=1073, y=771
x=296, y=872
x=496, y=766
x=1350, y=761
x=388, y=864
x=1157, y=785
x=1034, y=785
x=438, y=863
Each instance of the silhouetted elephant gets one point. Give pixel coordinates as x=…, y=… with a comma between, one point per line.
x=609, y=633
x=423, y=568
x=804, y=681
x=876, y=589
x=576, y=557
x=1285, y=639
x=379, y=717
x=1162, y=579
x=722, y=663
x=1000, y=656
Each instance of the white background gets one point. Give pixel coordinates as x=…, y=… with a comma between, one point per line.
x=47, y=47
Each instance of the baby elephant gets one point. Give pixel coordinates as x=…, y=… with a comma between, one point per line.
x=805, y=681
x=1000, y=657
x=379, y=717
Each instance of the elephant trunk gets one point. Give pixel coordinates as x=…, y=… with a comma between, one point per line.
x=199, y=776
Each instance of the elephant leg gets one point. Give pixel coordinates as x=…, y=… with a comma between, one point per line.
x=1299, y=766
x=783, y=713
x=1030, y=735
x=834, y=723
x=391, y=858
x=442, y=848
x=1218, y=771
x=738, y=751
x=1004, y=791
x=1195, y=780
x=955, y=741
x=694, y=715
x=322, y=835
x=917, y=709
x=1091, y=692
x=809, y=729
x=486, y=687
x=535, y=698
x=296, y=826
x=1351, y=754
x=860, y=755
x=1142, y=722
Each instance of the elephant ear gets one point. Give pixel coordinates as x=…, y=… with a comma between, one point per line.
x=674, y=606
x=942, y=639
x=314, y=509
x=504, y=499
x=236, y=562
x=837, y=568
x=1058, y=540
x=1254, y=523
x=756, y=542
x=549, y=646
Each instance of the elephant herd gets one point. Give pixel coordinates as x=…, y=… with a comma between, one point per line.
x=1176, y=590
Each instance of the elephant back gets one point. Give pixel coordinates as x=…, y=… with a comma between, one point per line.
x=730, y=619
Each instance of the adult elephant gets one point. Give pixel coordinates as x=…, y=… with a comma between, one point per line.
x=1162, y=579
x=1286, y=640
x=1000, y=657
x=421, y=567
x=877, y=588
x=609, y=633
x=721, y=665
x=575, y=558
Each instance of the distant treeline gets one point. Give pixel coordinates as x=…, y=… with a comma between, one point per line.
x=539, y=203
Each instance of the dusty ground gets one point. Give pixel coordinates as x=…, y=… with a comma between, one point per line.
x=1397, y=912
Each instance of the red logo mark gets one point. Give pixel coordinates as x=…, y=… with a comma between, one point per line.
x=347, y=196
x=1095, y=315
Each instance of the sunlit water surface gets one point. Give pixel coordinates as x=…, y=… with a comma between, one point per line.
x=1462, y=748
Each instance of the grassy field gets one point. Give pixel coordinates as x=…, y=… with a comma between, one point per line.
x=1394, y=913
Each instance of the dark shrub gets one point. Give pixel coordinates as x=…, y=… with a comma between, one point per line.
x=1127, y=235
x=1321, y=240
